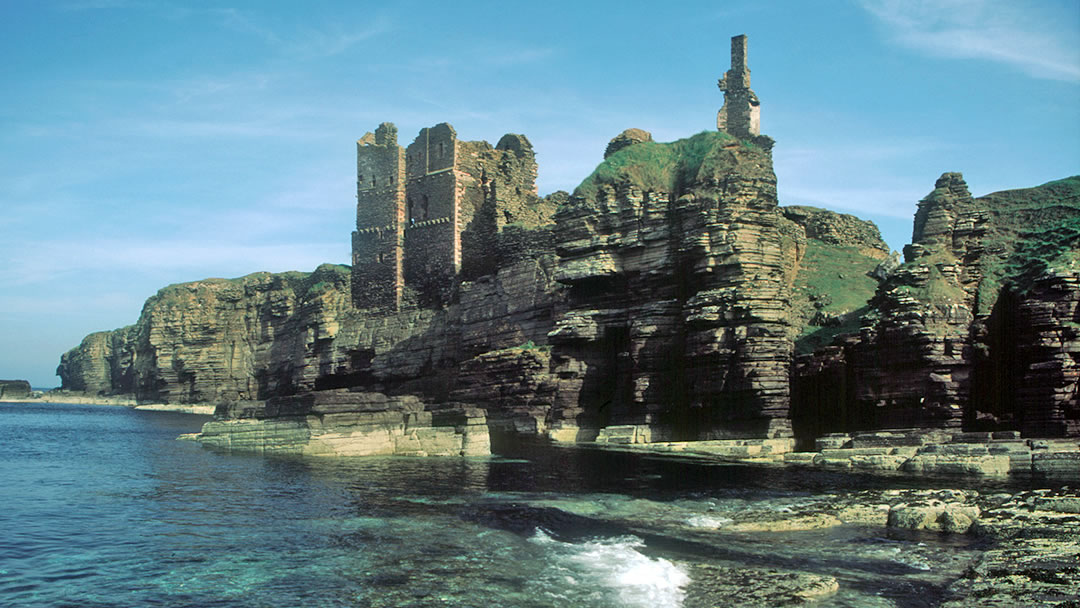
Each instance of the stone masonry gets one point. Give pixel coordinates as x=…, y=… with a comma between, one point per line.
x=741, y=113
x=659, y=303
x=427, y=213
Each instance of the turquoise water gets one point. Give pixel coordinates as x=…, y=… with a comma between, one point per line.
x=101, y=506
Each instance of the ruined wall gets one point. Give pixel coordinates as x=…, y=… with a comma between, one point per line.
x=741, y=113
x=377, y=255
x=430, y=215
x=498, y=189
x=430, y=264
x=432, y=243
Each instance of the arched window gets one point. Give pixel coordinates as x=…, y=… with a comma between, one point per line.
x=424, y=208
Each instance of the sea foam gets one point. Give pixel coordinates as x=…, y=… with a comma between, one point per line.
x=612, y=569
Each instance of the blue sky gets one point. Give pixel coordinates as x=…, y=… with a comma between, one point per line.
x=149, y=142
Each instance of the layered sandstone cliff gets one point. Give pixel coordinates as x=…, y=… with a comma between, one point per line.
x=667, y=302
x=679, y=265
x=977, y=330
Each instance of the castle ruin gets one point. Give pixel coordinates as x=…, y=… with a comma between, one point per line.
x=741, y=113
x=429, y=213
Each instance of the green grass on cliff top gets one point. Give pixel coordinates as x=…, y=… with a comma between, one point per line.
x=655, y=166
x=304, y=284
x=1029, y=231
x=832, y=279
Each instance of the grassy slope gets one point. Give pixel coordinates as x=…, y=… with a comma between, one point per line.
x=662, y=167
x=832, y=279
x=305, y=285
x=1031, y=230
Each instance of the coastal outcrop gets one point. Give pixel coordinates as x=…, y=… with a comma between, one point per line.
x=343, y=423
x=678, y=284
x=659, y=307
x=619, y=314
x=977, y=330
x=669, y=298
x=15, y=389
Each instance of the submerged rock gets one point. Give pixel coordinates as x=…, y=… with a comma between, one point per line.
x=755, y=587
x=934, y=515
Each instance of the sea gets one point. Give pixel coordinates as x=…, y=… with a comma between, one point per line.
x=103, y=506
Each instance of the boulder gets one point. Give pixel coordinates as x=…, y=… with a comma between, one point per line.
x=627, y=138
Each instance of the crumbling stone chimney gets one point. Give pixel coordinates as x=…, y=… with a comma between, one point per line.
x=741, y=114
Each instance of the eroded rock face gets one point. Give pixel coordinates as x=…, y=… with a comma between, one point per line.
x=628, y=137
x=664, y=305
x=677, y=300
x=271, y=335
x=839, y=229
x=913, y=367
x=514, y=385
x=342, y=423
x=15, y=389
x=977, y=330
x=1048, y=350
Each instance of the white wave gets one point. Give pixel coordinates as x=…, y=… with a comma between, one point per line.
x=710, y=522
x=612, y=569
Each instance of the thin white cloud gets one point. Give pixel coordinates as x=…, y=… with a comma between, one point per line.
x=37, y=303
x=308, y=43
x=176, y=128
x=856, y=175
x=334, y=40
x=837, y=152
x=53, y=260
x=243, y=22
x=1028, y=36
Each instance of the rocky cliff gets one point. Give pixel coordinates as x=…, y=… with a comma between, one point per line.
x=15, y=389
x=976, y=330
x=667, y=302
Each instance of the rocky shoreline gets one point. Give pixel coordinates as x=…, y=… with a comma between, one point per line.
x=1016, y=547
x=914, y=452
x=1031, y=557
x=1029, y=549
x=129, y=401
x=1024, y=547
x=345, y=423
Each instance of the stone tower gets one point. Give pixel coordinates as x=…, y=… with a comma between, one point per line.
x=377, y=243
x=431, y=212
x=434, y=213
x=741, y=114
